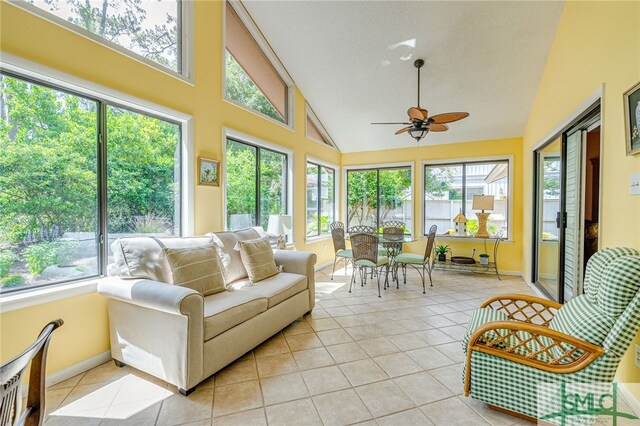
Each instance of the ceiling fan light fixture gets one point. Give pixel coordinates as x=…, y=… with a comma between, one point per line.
x=418, y=133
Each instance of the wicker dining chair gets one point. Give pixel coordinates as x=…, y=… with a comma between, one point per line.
x=392, y=247
x=422, y=264
x=365, y=255
x=366, y=229
x=340, y=246
x=394, y=224
x=11, y=375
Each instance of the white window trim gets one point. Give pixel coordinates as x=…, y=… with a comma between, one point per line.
x=187, y=14
x=316, y=121
x=410, y=164
x=253, y=140
x=508, y=158
x=336, y=198
x=20, y=66
x=257, y=35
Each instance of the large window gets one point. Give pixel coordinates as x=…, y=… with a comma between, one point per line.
x=251, y=80
x=320, y=199
x=376, y=196
x=56, y=225
x=449, y=190
x=256, y=184
x=151, y=29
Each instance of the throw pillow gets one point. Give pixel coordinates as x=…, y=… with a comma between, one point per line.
x=257, y=257
x=197, y=268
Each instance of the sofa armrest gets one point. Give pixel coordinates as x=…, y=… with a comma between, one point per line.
x=151, y=294
x=299, y=262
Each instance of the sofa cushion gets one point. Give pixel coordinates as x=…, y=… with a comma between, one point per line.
x=197, y=268
x=232, y=266
x=257, y=257
x=227, y=309
x=143, y=257
x=276, y=289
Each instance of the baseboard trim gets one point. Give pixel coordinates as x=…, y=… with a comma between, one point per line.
x=634, y=404
x=323, y=265
x=75, y=369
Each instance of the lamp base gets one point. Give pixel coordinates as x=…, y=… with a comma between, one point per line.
x=482, y=225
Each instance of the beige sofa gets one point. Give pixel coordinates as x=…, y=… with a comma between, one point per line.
x=176, y=334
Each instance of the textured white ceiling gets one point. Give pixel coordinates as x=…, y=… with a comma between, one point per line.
x=353, y=61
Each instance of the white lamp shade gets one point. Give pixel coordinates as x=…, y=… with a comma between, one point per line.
x=279, y=224
x=482, y=202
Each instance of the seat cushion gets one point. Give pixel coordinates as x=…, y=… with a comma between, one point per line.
x=276, y=289
x=232, y=266
x=410, y=258
x=382, y=260
x=583, y=319
x=345, y=253
x=143, y=257
x=227, y=309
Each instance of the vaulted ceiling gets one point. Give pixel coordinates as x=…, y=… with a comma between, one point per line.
x=353, y=61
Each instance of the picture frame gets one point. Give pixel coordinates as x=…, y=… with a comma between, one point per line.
x=632, y=119
x=208, y=172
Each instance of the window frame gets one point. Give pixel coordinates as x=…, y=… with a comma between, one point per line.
x=469, y=160
x=185, y=45
x=257, y=35
x=369, y=167
x=258, y=143
x=336, y=176
x=22, y=69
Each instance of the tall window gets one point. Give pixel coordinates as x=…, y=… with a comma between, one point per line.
x=251, y=78
x=449, y=190
x=52, y=225
x=320, y=199
x=256, y=184
x=376, y=196
x=151, y=29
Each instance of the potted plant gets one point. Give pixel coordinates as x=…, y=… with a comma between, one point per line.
x=442, y=251
x=484, y=259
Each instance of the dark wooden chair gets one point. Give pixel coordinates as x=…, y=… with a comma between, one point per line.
x=11, y=375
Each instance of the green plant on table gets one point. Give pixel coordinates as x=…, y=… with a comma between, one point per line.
x=442, y=249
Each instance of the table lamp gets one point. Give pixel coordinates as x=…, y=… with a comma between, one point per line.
x=280, y=225
x=482, y=202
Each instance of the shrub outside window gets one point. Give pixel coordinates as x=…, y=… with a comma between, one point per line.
x=449, y=190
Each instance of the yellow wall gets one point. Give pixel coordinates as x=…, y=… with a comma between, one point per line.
x=596, y=43
x=510, y=253
x=85, y=333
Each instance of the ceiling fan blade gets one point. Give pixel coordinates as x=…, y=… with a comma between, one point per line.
x=437, y=127
x=406, y=124
x=417, y=113
x=449, y=117
x=404, y=129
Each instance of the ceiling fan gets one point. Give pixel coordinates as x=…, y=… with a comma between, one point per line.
x=419, y=121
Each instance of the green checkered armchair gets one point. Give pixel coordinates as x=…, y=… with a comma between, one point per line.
x=514, y=342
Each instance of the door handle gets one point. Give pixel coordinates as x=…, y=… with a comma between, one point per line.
x=561, y=220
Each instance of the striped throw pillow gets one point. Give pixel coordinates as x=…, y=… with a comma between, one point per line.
x=257, y=257
x=197, y=268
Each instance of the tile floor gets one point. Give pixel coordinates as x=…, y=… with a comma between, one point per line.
x=357, y=359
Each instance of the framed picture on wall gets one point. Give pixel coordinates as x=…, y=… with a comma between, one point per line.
x=632, y=119
x=208, y=172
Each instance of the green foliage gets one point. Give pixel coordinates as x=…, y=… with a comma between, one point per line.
x=472, y=227
x=7, y=259
x=394, y=187
x=241, y=182
x=442, y=249
x=241, y=88
x=39, y=256
x=12, y=281
x=149, y=224
x=551, y=178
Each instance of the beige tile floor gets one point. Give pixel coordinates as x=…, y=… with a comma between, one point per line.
x=357, y=359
